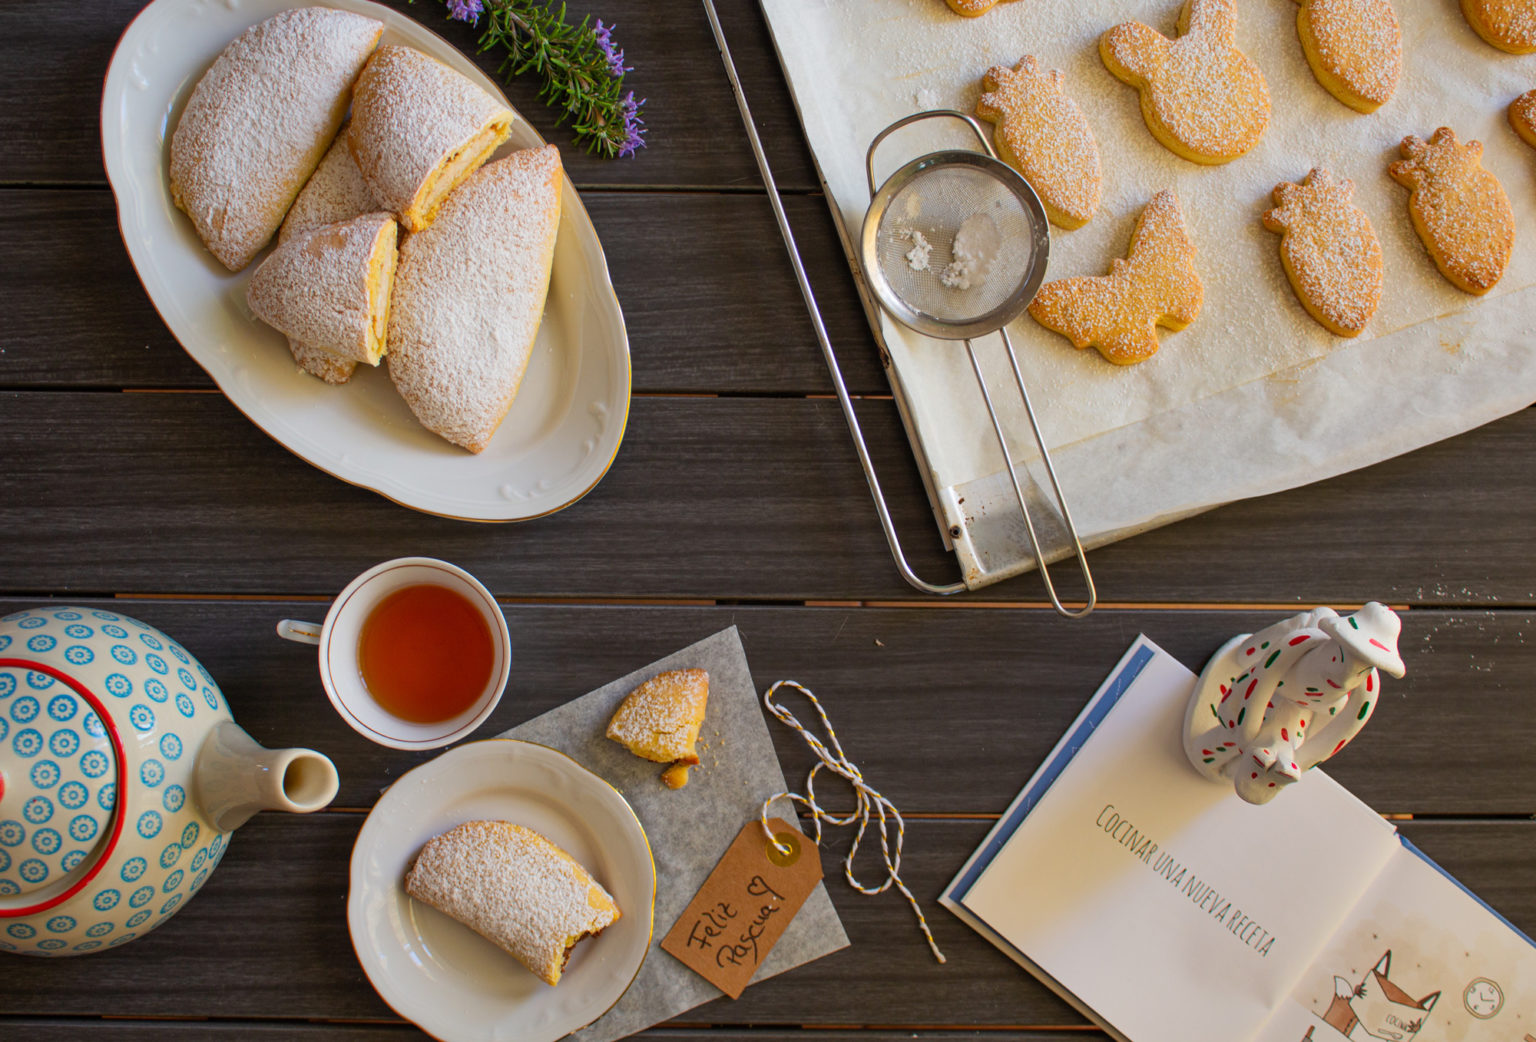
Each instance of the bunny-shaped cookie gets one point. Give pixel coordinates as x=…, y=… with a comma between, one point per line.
x=1355, y=48
x=1042, y=134
x=1202, y=97
x=1155, y=285
x=1329, y=250
x=1510, y=25
x=1459, y=209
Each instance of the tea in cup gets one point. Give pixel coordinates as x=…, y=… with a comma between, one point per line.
x=414, y=653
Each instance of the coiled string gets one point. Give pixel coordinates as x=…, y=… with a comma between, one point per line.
x=834, y=760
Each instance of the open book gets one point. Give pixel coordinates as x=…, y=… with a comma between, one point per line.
x=1168, y=910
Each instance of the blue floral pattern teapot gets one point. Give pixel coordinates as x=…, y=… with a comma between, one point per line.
x=121, y=776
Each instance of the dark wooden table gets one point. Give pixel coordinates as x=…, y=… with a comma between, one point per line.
x=736, y=498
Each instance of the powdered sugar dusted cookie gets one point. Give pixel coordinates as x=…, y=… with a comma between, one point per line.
x=1155, y=285
x=1510, y=25
x=1329, y=250
x=1355, y=48
x=1522, y=116
x=1201, y=96
x=972, y=8
x=1459, y=209
x=1042, y=133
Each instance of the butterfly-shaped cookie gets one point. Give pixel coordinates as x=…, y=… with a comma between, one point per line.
x=1459, y=209
x=1202, y=97
x=1355, y=48
x=1043, y=135
x=1329, y=251
x=1155, y=285
x=1510, y=25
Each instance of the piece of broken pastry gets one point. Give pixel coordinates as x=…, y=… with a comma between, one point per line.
x=516, y=889
x=660, y=720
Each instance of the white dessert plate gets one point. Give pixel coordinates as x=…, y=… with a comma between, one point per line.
x=562, y=431
x=453, y=983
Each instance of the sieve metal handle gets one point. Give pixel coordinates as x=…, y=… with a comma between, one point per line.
x=970, y=121
x=843, y=398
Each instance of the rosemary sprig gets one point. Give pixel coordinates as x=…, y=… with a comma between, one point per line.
x=582, y=69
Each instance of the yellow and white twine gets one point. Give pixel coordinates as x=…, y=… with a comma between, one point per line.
x=834, y=760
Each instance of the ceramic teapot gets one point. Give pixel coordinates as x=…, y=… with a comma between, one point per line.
x=121, y=776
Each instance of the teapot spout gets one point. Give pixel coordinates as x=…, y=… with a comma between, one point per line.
x=235, y=777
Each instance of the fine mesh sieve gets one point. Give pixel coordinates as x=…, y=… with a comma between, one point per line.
x=954, y=246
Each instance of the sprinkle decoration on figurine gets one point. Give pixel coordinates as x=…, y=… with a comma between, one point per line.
x=1270, y=705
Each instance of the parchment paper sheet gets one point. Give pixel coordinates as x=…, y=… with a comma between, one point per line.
x=1254, y=396
x=689, y=828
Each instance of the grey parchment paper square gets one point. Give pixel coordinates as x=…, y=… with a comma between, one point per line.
x=689, y=828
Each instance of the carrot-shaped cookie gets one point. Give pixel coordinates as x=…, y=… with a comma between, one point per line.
x=1155, y=285
x=973, y=8
x=1329, y=251
x=1202, y=97
x=1355, y=48
x=1510, y=25
x=1459, y=209
x=1043, y=135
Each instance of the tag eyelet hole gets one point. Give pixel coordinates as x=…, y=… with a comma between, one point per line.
x=782, y=858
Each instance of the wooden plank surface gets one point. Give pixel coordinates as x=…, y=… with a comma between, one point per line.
x=55, y=65
x=267, y=937
x=781, y=501
x=989, y=690
x=39, y=1029
x=725, y=279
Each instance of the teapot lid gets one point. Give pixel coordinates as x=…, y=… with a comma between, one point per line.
x=59, y=767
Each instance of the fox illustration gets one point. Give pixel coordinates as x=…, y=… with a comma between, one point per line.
x=1376, y=1008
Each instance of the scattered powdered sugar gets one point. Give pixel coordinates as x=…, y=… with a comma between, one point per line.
x=975, y=248
x=515, y=888
x=917, y=256
x=258, y=122
x=469, y=296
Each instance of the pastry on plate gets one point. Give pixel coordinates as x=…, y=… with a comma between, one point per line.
x=469, y=296
x=330, y=286
x=516, y=889
x=336, y=192
x=419, y=129
x=258, y=122
x=660, y=721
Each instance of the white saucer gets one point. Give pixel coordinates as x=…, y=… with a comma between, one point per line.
x=450, y=981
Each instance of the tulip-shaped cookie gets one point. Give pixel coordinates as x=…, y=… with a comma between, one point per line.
x=1355, y=48
x=1202, y=97
x=1043, y=135
x=1459, y=209
x=1155, y=285
x=1270, y=705
x=1329, y=250
x=1510, y=25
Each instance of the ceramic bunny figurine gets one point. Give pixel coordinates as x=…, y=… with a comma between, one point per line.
x=1270, y=705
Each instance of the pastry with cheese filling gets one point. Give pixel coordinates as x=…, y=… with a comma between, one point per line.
x=516, y=889
x=469, y=297
x=330, y=287
x=258, y=122
x=660, y=721
x=419, y=129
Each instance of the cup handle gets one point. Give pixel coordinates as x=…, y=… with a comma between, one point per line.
x=299, y=632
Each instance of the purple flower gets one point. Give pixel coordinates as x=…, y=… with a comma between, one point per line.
x=634, y=128
x=615, y=56
x=465, y=10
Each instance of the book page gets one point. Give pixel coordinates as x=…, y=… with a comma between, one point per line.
x=1164, y=903
x=1417, y=959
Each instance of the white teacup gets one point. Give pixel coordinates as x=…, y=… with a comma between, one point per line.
x=338, y=641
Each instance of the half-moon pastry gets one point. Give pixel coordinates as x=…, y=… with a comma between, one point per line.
x=258, y=122
x=336, y=192
x=418, y=130
x=469, y=296
x=330, y=286
x=514, y=888
x=660, y=721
